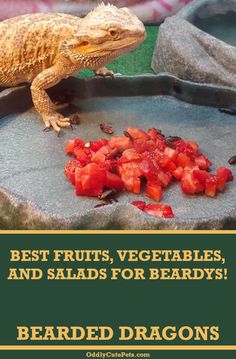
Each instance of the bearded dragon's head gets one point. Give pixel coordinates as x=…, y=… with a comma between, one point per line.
x=107, y=32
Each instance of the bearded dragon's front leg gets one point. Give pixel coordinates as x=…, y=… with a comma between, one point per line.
x=42, y=102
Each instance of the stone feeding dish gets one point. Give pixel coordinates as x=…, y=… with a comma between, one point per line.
x=198, y=43
x=34, y=193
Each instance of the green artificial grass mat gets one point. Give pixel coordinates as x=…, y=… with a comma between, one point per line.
x=135, y=62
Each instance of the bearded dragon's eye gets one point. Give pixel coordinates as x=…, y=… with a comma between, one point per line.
x=112, y=32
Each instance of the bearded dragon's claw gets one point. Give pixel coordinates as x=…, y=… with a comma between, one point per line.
x=104, y=72
x=56, y=121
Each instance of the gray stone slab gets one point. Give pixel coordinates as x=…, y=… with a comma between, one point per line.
x=198, y=44
x=34, y=194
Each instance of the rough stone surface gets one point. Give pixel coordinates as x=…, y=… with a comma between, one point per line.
x=34, y=194
x=188, y=52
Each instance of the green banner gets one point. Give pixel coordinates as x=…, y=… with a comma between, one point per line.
x=105, y=295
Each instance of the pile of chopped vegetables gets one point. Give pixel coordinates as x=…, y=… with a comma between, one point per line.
x=138, y=157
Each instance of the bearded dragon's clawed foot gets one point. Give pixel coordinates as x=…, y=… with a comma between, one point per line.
x=56, y=121
x=104, y=72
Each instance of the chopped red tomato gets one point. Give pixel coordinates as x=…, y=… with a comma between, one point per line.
x=120, y=142
x=223, y=175
x=183, y=160
x=190, y=184
x=142, y=158
x=211, y=186
x=154, y=190
x=202, y=162
x=70, y=170
x=159, y=210
x=89, y=180
x=113, y=181
x=140, y=204
x=136, y=133
x=69, y=147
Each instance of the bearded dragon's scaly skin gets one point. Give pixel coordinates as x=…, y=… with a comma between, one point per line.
x=42, y=49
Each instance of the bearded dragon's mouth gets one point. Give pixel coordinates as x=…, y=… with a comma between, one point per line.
x=107, y=48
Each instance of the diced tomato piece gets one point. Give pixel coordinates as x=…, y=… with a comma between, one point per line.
x=132, y=184
x=154, y=190
x=182, y=147
x=130, y=155
x=166, y=162
x=136, y=185
x=69, y=147
x=171, y=153
x=201, y=175
x=202, y=162
x=183, y=160
x=113, y=181
x=177, y=173
x=130, y=173
x=164, y=177
x=98, y=157
x=190, y=184
x=221, y=183
x=96, y=145
x=93, y=176
x=130, y=169
x=89, y=180
x=140, y=204
x=70, y=170
x=160, y=144
x=159, y=210
x=211, y=186
x=149, y=168
x=81, y=156
x=136, y=133
x=170, y=166
x=79, y=143
x=154, y=134
x=101, y=155
x=225, y=173
x=193, y=145
x=141, y=145
x=120, y=142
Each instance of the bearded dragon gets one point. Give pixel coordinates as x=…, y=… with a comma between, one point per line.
x=43, y=49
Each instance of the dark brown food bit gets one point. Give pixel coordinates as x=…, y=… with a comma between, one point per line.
x=232, y=160
x=75, y=119
x=108, y=195
x=113, y=153
x=228, y=110
x=173, y=138
x=126, y=133
x=106, y=128
x=100, y=205
x=160, y=132
x=170, y=144
x=170, y=141
x=106, y=202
